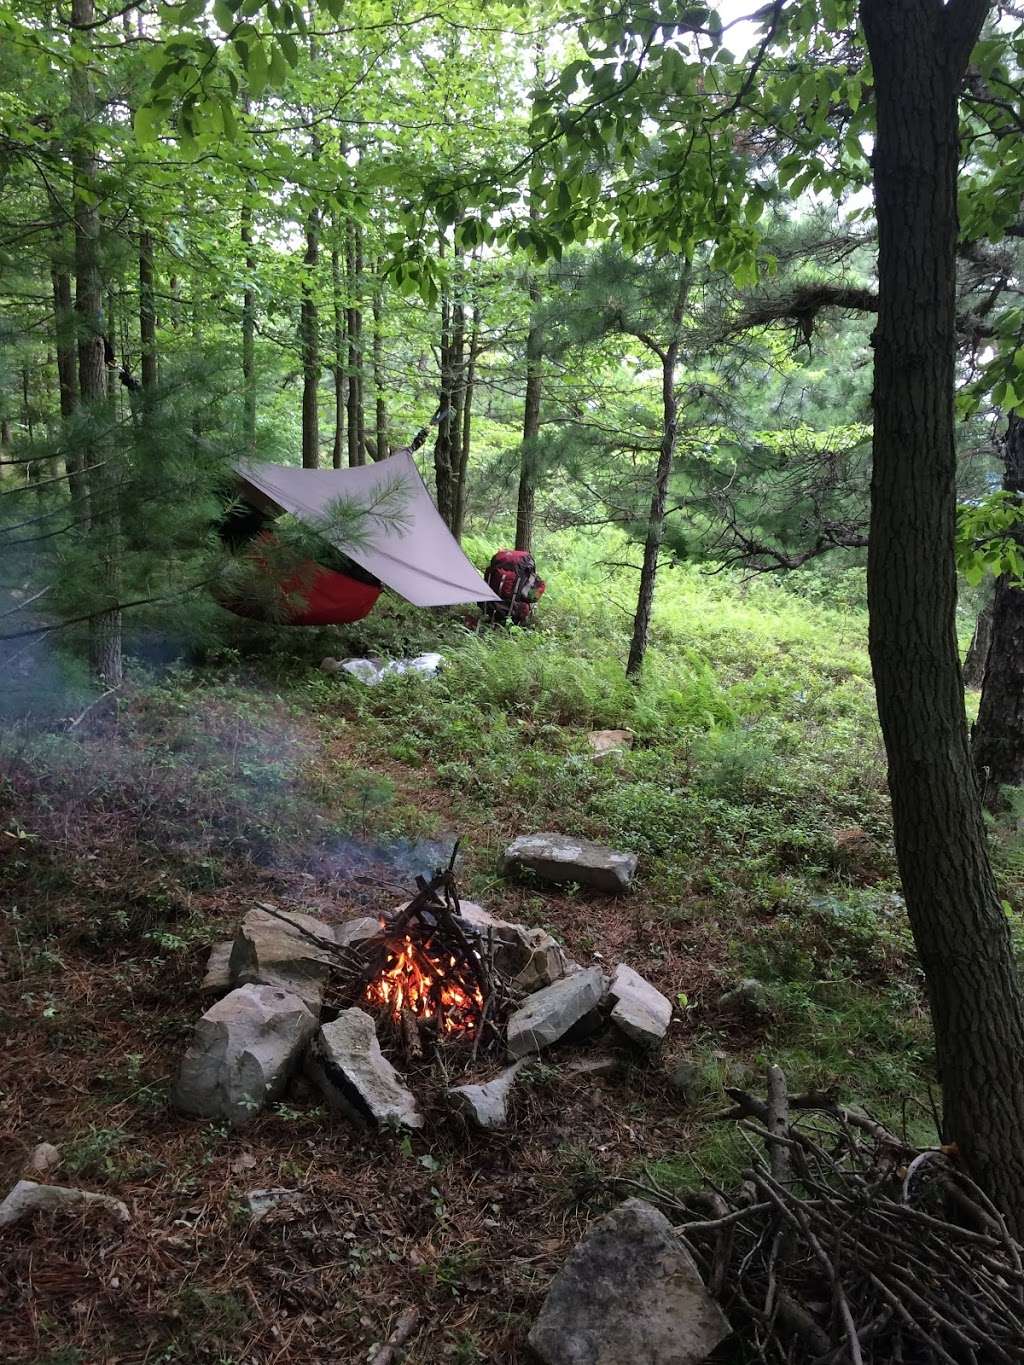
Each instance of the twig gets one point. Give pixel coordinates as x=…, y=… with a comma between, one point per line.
x=403, y=1329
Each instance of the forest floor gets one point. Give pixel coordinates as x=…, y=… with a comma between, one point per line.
x=136, y=838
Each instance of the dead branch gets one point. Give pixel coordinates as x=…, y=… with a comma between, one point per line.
x=403, y=1329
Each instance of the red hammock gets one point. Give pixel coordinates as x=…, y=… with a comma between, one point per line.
x=311, y=596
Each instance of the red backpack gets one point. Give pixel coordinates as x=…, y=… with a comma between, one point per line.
x=512, y=574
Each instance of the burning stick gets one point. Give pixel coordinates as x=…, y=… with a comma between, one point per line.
x=411, y=1036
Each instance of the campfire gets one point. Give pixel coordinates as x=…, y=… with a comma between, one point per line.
x=431, y=979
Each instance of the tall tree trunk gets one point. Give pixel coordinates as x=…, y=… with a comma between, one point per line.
x=105, y=631
x=976, y=660
x=354, y=326
x=447, y=444
x=147, y=315
x=67, y=382
x=656, y=515
x=466, y=425
x=919, y=51
x=998, y=741
x=338, y=368
x=381, y=413
x=310, y=329
x=248, y=327
x=531, y=426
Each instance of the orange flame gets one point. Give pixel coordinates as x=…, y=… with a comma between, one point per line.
x=423, y=985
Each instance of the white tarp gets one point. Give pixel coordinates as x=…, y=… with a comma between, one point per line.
x=410, y=550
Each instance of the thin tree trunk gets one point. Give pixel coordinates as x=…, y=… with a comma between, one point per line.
x=977, y=651
x=998, y=741
x=147, y=316
x=310, y=349
x=381, y=412
x=919, y=51
x=67, y=381
x=467, y=420
x=659, y=498
x=248, y=327
x=531, y=426
x=354, y=327
x=105, y=630
x=340, y=393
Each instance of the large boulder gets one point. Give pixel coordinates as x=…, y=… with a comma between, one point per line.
x=27, y=1197
x=549, y=1014
x=346, y=1065
x=243, y=1051
x=269, y=952
x=558, y=858
x=642, y=1013
x=486, y=1105
x=629, y=1294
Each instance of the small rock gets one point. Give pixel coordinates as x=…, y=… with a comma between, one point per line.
x=330, y=665
x=269, y=952
x=486, y=1105
x=749, y=997
x=605, y=1065
x=44, y=1158
x=629, y=1294
x=642, y=1013
x=530, y=956
x=685, y=1081
x=27, y=1198
x=558, y=858
x=609, y=743
x=244, y=1048
x=217, y=980
x=355, y=1078
x=552, y=1012
x=261, y=1202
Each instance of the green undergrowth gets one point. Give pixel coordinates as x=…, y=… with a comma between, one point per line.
x=754, y=793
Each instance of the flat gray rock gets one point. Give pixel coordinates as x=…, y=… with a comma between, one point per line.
x=486, y=1105
x=217, y=980
x=261, y=1202
x=268, y=952
x=346, y=1065
x=243, y=1051
x=642, y=1013
x=559, y=858
x=531, y=957
x=355, y=933
x=629, y=1294
x=549, y=1014
x=27, y=1198
x=606, y=744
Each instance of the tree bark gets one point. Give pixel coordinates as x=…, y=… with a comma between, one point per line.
x=248, y=328
x=310, y=333
x=338, y=368
x=147, y=315
x=977, y=651
x=67, y=382
x=998, y=741
x=105, y=629
x=659, y=498
x=381, y=412
x=531, y=427
x=466, y=425
x=354, y=327
x=919, y=51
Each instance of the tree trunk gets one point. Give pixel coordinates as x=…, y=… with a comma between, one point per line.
x=466, y=425
x=105, y=628
x=919, y=51
x=340, y=393
x=531, y=427
x=447, y=444
x=977, y=651
x=147, y=316
x=354, y=326
x=67, y=382
x=248, y=329
x=310, y=349
x=656, y=516
x=381, y=412
x=998, y=742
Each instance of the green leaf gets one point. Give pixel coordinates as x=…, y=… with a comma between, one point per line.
x=224, y=15
x=289, y=47
x=146, y=122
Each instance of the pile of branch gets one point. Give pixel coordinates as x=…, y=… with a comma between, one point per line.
x=845, y=1243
